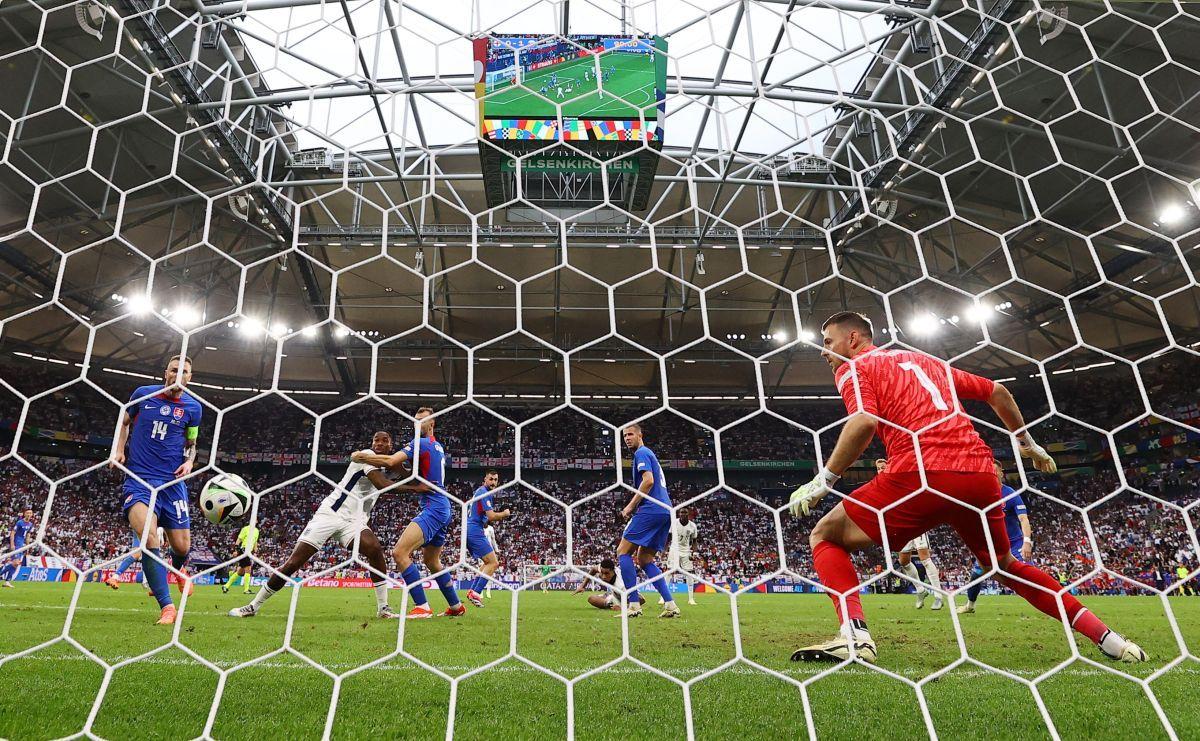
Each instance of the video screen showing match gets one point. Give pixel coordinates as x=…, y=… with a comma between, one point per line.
x=608, y=87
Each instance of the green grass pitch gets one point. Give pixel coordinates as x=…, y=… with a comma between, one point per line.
x=51, y=693
x=629, y=90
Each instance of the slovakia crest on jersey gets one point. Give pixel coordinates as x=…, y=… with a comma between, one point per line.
x=178, y=412
x=165, y=410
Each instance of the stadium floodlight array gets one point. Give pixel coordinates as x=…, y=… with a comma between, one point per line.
x=826, y=158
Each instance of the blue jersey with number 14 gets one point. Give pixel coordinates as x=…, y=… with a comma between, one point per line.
x=160, y=429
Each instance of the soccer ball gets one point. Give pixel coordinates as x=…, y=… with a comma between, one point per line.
x=225, y=498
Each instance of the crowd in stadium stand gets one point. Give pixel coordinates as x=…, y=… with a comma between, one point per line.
x=738, y=543
x=1135, y=535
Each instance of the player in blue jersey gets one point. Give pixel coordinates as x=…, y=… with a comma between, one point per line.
x=428, y=529
x=16, y=539
x=1020, y=537
x=161, y=425
x=483, y=514
x=649, y=528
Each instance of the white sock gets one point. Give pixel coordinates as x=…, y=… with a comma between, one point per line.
x=263, y=595
x=856, y=633
x=381, y=594
x=670, y=605
x=1112, y=643
x=910, y=570
x=690, y=592
x=935, y=576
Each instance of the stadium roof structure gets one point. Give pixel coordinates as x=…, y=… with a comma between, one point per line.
x=818, y=156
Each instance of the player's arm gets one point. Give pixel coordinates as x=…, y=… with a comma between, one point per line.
x=118, y=449
x=395, y=460
x=1027, y=530
x=644, y=488
x=494, y=516
x=591, y=571
x=853, y=440
x=191, y=437
x=1005, y=406
x=859, y=397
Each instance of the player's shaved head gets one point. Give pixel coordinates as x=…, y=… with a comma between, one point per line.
x=632, y=435
x=425, y=416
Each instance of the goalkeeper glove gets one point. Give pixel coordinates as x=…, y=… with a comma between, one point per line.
x=805, y=498
x=1036, y=453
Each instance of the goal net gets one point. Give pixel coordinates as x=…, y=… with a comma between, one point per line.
x=552, y=224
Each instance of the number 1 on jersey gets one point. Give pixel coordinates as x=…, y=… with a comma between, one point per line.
x=934, y=395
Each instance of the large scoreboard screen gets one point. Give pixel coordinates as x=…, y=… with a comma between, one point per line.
x=609, y=88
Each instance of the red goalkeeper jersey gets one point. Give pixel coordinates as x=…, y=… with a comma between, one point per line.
x=912, y=391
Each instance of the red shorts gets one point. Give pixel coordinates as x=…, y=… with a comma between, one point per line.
x=926, y=510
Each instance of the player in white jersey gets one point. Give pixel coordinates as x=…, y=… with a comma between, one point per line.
x=919, y=546
x=683, y=538
x=343, y=515
x=489, y=532
x=608, y=575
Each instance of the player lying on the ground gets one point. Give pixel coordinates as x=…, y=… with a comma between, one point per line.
x=683, y=540
x=247, y=540
x=16, y=539
x=1020, y=537
x=912, y=391
x=649, y=515
x=479, y=545
x=161, y=424
x=343, y=515
x=923, y=570
x=427, y=531
x=605, y=573
x=135, y=556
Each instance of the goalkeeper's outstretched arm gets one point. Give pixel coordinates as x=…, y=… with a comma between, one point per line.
x=1005, y=406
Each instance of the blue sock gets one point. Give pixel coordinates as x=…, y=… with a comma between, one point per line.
x=659, y=583
x=6, y=572
x=156, y=577
x=629, y=576
x=479, y=583
x=446, y=584
x=974, y=590
x=124, y=565
x=921, y=572
x=412, y=577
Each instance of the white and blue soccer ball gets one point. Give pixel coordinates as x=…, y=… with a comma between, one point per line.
x=225, y=498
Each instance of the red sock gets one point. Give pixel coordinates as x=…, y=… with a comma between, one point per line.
x=1079, y=617
x=837, y=574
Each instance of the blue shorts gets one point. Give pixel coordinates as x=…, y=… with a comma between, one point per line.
x=649, y=528
x=433, y=524
x=18, y=560
x=478, y=545
x=171, y=505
